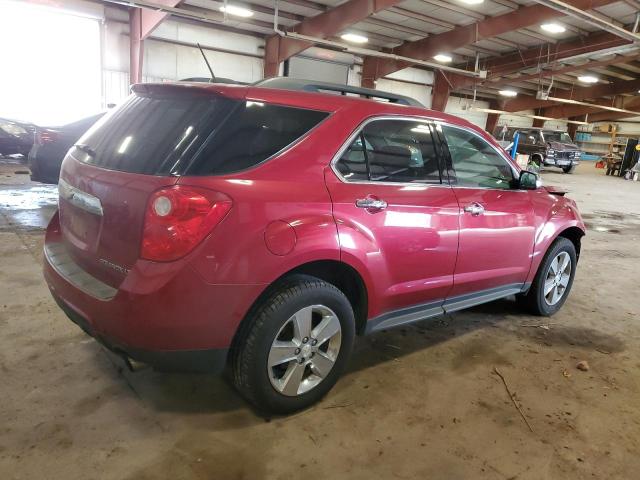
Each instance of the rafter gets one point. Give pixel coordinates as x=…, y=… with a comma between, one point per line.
x=615, y=59
x=604, y=116
x=579, y=93
x=325, y=25
x=458, y=37
x=568, y=111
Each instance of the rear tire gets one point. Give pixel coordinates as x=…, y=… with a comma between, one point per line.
x=552, y=283
x=569, y=169
x=284, y=359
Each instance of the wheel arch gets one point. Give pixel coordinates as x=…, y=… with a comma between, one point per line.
x=539, y=156
x=340, y=274
x=574, y=234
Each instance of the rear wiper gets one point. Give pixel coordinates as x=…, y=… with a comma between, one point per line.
x=86, y=149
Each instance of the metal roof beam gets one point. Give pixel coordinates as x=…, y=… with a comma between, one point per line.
x=579, y=94
x=324, y=25
x=460, y=36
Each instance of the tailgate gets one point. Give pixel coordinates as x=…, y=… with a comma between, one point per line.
x=110, y=173
x=102, y=215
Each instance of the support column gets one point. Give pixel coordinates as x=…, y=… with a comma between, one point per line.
x=142, y=22
x=272, y=56
x=368, y=72
x=573, y=127
x=136, y=46
x=440, y=92
x=492, y=118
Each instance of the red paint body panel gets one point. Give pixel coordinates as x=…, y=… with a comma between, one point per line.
x=495, y=248
x=554, y=214
x=409, y=248
x=286, y=212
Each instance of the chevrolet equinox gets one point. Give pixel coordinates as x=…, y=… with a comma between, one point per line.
x=264, y=226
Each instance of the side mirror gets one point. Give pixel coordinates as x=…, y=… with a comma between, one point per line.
x=528, y=180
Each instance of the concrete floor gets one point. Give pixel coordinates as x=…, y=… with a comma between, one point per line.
x=421, y=402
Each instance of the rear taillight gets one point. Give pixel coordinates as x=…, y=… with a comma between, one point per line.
x=178, y=218
x=47, y=136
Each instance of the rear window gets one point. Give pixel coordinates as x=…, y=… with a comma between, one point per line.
x=175, y=132
x=156, y=133
x=254, y=132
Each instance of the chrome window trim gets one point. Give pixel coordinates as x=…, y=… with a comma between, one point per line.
x=357, y=131
x=80, y=199
x=443, y=183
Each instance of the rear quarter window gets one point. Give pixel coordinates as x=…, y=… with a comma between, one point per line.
x=253, y=133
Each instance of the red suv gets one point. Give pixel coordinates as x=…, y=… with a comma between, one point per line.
x=264, y=226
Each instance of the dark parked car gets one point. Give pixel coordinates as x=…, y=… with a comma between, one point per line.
x=545, y=147
x=206, y=225
x=50, y=145
x=15, y=137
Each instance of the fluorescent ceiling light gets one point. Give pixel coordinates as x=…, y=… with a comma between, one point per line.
x=472, y=2
x=443, y=57
x=553, y=28
x=587, y=104
x=236, y=11
x=354, y=38
x=508, y=93
x=588, y=79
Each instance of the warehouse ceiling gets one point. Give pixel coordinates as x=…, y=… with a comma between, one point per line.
x=588, y=38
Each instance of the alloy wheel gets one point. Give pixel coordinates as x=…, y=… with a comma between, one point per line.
x=304, y=350
x=557, y=278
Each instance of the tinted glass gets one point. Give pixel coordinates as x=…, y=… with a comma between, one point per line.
x=475, y=162
x=253, y=132
x=392, y=151
x=353, y=163
x=155, y=133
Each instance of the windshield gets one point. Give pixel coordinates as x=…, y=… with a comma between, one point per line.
x=561, y=137
x=526, y=136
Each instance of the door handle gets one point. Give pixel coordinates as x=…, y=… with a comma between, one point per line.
x=474, y=209
x=371, y=203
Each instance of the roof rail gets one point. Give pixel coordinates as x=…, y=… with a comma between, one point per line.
x=288, y=83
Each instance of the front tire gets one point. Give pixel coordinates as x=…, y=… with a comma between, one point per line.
x=569, y=169
x=295, y=345
x=552, y=283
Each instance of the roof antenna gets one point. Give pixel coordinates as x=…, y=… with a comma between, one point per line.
x=213, y=77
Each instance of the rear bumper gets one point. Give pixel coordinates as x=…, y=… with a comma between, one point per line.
x=173, y=320
x=195, y=361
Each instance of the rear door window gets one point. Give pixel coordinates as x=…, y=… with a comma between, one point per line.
x=253, y=133
x=392, y=151
x=155, y=133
